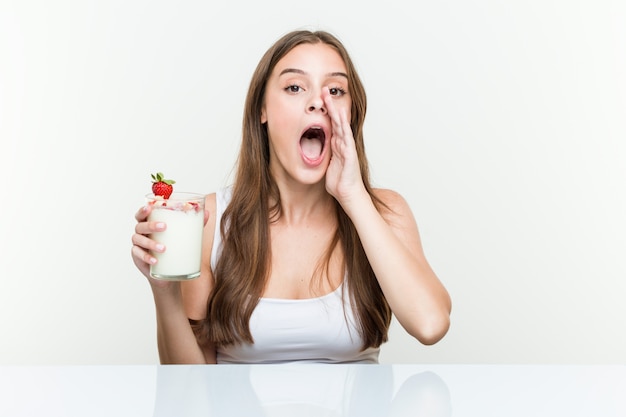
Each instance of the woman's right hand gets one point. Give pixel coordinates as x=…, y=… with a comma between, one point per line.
x=143, y=246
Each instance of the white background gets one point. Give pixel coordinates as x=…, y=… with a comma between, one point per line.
x=502, y=123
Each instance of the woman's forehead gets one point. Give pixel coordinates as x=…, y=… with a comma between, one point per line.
x=310, y=57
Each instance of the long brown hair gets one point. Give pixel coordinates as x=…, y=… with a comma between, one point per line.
x=244, y=264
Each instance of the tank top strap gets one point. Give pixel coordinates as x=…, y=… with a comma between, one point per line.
x=222, y=199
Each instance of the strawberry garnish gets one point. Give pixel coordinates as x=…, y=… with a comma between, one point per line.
x=161, y=186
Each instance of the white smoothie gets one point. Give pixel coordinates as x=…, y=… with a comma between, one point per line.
x=183, y=213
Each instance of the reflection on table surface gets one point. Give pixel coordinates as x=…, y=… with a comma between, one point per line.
x=303, y=391
x=313, y=390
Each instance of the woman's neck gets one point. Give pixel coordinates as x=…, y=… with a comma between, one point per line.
x=305, y=204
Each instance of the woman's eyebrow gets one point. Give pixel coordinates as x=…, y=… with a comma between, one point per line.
x=292, y=70
x=337, y=74
x=301, y=72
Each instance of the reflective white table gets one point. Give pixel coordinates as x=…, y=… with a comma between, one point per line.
x=313, y=390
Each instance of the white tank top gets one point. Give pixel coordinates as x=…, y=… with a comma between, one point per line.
x=313, y=330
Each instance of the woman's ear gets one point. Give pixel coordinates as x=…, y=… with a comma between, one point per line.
x=263, y=116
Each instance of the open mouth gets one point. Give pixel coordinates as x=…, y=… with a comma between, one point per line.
x=312, y=143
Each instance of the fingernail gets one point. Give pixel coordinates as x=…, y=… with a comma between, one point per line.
x=160, y=226
x=160, y=247
x=153, y=261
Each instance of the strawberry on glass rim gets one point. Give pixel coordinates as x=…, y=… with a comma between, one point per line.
x=161, y=186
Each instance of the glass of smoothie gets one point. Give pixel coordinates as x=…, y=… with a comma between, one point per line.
x=183, y=214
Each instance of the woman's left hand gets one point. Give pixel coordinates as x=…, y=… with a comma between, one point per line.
x=343, y=177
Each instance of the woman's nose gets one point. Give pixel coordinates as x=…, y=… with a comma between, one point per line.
x=316, y=104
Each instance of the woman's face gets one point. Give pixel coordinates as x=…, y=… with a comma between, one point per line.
x=298, y=123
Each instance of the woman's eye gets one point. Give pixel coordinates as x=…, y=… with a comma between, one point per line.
x=293, y=88
x=336, y=91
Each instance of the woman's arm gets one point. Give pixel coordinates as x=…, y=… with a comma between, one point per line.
x=391, y=241
x=177, y=302
x=196, y=292
x=393, y=246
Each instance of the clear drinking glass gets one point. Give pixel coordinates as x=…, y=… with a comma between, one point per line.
x=183, y=214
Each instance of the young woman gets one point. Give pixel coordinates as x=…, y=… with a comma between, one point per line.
x=303, y=261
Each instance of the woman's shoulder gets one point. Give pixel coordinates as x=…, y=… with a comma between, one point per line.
x=214, y=205
x=390, y=198
x=209, y=199
x=218, y=199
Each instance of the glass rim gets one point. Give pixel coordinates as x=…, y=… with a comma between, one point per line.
x=180, y=196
